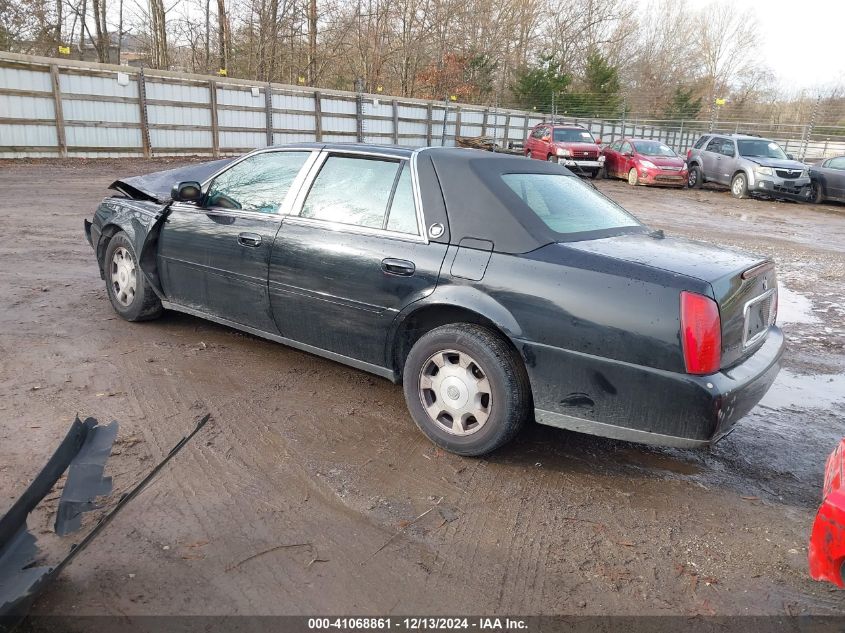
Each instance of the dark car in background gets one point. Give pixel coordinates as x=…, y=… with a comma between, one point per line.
x=748, y=165
x=828, y=180
x=644, y=162
x=570, y=145
x=495, y=289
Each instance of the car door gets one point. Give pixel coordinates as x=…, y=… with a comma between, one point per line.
x=352, y=255
x=537, y=142
x=626, y=159
x=835, y=178
x=213, y=257
x=727, y=161
x=611, y=156
x=711, y=156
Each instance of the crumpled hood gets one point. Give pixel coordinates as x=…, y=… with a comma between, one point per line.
x=157, y=185
x=777, y=163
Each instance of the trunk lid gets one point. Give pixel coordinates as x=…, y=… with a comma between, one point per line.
x=744, y=285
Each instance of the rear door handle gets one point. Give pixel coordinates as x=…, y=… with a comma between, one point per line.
x=398, y=267
x=249, y=239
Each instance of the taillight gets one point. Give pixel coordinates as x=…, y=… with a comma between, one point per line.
x=701, y=333
x=689, y=154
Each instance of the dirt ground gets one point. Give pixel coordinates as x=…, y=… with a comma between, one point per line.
x=318, y=469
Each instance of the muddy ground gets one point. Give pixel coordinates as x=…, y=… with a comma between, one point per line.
x=318, y=469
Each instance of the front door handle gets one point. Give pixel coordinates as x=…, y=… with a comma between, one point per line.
x=249, y=239
x=398, y=267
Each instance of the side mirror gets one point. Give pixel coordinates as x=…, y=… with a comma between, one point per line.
x=189, y=191
x=547, y=138
x=598, y=141
x=790, y=157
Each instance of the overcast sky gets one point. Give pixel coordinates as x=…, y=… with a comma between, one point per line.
x=803, y=40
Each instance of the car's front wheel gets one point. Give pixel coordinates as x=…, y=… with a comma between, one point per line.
x=694, y=177
x=739, y=186
x=633, y=176
x=130, y=293
x=551, y=158
x=816, y=192
x=466, y=388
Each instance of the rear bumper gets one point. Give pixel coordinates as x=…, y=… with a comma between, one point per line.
x=621, y=400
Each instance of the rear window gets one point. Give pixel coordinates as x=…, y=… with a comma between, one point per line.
x=567, y=205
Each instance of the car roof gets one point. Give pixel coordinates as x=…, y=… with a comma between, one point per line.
x=391, y=150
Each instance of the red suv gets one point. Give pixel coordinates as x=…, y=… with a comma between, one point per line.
x=570, y=145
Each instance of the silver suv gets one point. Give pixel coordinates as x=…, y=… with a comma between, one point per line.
x=748, y=165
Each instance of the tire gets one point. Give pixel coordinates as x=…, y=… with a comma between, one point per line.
x=739, y=186
x=485, y=377
x=601, y=174
x=816, y=192
x=633, y=176
x=551, y=158
x=528, y=154
x=131, y=295
x=694, y=178
x=595, y=174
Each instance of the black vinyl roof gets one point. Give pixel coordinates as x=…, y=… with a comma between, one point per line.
x=479, y=203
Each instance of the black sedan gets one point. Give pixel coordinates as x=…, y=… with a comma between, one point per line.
x=495, y=289
x=827, y=180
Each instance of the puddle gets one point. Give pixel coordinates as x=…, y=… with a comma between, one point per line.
x=794, y=307
x=820, y=391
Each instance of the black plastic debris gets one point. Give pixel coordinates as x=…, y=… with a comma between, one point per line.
x=19, y=579
x=84, y=451
x=85, y=481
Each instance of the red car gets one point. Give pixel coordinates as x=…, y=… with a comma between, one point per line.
x=827, y=540
x=570, y=145
x=644, y=162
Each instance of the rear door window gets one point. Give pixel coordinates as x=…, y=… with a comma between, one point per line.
x=700, y=142
x=715, y=146
x=363, y=191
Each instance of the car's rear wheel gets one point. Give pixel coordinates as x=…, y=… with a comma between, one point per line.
x=694, y=177
x=739, y=186
x=816, y=192
x=633, y=176
x=466, y=389
x=130, y=293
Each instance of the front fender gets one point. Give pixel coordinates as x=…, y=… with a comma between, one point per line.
x=141, y=222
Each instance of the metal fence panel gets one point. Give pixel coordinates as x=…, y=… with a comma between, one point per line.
x=102, y=110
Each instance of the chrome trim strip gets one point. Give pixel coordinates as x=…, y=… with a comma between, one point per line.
x=745, y=314
x=227, y=213
x=384, y=372
x=353, y=228
x=580, y=425
x=415, y=186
